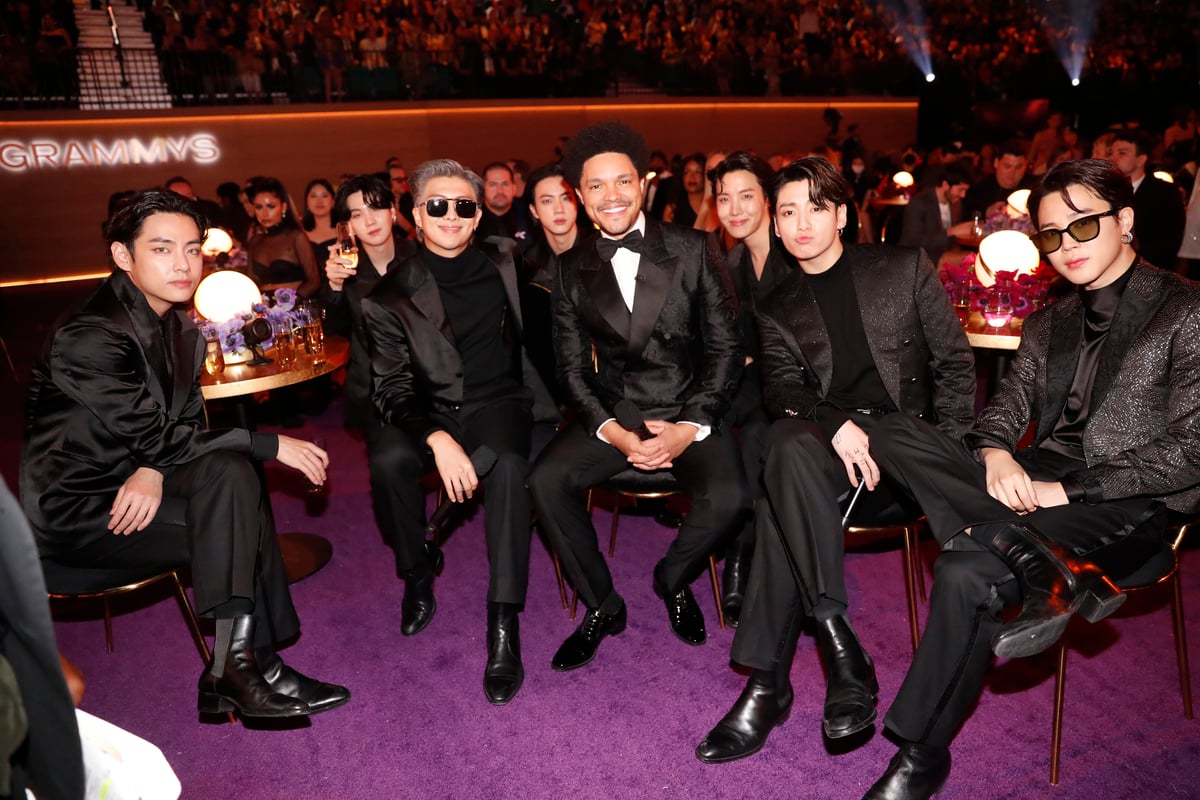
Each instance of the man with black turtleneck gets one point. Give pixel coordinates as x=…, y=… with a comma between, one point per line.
x=450, y=377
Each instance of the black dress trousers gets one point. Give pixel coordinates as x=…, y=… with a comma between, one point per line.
x=397, y=463
x=216, y=516
x=971, y=585
x=576, y=460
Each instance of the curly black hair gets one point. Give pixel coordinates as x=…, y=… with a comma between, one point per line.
x=604, y=137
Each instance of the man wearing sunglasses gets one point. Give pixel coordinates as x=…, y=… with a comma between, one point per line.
x=1107, y=375
x=454, y=390
x=642, y=321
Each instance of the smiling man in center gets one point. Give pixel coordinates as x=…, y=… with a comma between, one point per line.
x=640, y=315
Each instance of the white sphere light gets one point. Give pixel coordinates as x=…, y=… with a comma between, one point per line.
x=216, y=241
x=1005, y=251
x=225, y=295
x=903, y=179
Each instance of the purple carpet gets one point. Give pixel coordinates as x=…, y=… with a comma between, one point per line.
x=418, y=725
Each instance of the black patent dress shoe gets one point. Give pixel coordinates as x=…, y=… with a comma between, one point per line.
x=504, y=674
x=744, y=730
x=580, y=647
x=241, y=684
x=1054, y=585
x=683, y=614
x=418, y=606
x=917, y=772
x=852, y=688
x=317, y=695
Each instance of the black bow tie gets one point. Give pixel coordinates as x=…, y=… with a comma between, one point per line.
x=608, y=247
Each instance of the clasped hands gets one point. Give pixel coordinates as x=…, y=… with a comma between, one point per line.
x=1008, y=482
x=659, y=451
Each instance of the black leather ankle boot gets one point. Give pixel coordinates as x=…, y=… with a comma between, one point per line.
x=917, y=772
x=734, y=580
x=1054, y=585
x=852, y=688
x=504, y=674
x=241, y=684
x=418, y=606
x=317, y=695
x=761, y=706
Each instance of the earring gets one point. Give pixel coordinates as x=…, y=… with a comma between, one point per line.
x=840, y=230
x=1127, y=238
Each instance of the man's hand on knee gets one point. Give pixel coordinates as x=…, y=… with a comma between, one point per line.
x=137, y=501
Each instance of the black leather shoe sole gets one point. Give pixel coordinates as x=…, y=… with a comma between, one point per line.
x=857, y=727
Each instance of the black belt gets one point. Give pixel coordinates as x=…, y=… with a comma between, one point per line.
x=872, y=412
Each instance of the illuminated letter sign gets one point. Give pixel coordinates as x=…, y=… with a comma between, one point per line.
x=47, y=154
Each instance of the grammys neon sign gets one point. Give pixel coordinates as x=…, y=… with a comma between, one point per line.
x=42, y=154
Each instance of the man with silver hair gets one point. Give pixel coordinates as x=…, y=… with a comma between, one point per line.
x=454, y=391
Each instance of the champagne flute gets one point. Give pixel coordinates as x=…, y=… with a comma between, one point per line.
x=347, y=245
x=214, y=359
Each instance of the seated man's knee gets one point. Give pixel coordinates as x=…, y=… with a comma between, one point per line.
x=789, y=440
x=394, y=458
x=893, y=430
x=226, y=466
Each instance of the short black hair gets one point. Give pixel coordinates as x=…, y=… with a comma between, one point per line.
x=952, y=173
x=741, y=160
x=1139, y=140
x=1098, y=175
x=540, y=174
x=826, y=186
x=375, y=191
x=604, y=137
x=125, y=225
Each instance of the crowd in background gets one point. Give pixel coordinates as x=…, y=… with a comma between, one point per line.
x=218, y=50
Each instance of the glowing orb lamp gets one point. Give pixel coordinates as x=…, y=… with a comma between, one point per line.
x=216, y=241
x=225, y=295
x=903, y=179
x=1164, y=176
x=1005, y=251
x=1018, y=204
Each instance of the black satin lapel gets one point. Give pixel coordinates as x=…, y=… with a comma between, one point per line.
x=158, y=378
x=508, y=276
x=601, y=285
x=654, y=281
x=428, y=300
x=185, y=344
x=808, y=327
x=1133, y=312
x=874, y=304
x=1062, y=357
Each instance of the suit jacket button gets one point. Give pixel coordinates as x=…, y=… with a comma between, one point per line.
x=907, y=341
x=912, y=380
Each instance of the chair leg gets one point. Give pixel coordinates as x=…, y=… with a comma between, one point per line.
x=189, y=614
x=1060, y=685
x=562, y=583
x=712, y=571
x=918, y=565
x=1181, y=653
x=108, y=639
x=912, y=566
x=616, y=521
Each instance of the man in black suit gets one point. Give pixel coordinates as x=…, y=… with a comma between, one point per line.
x=120, y=471
x=640, y=315
x=934, y=215
x=503, y=217
x=1107, y=374
x=1160, y=213
x=1008, y=175
x=855, y=335
x=449, y=376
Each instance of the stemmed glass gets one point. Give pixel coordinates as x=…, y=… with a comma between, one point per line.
x=347, y=244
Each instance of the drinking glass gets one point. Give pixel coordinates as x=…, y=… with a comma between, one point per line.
x=285, y=345
x=318, y=489
x=214, y=359
x=347, y=244
x=998, y=312
x=977, y=226
x=314, y=339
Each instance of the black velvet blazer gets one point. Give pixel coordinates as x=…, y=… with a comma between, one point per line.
x=1142, y=438
x=677, y=356
x=416, y=370
x=100, y=405
x=916, y=340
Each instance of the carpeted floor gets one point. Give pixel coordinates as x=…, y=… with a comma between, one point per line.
x=625, y=726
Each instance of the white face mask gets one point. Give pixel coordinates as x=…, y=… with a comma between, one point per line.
x=858, y=169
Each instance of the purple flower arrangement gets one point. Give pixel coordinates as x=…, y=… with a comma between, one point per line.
x=277, y=306
x=1014, y=295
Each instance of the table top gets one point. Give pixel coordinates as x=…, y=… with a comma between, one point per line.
x=242, y=379
x=994, y=341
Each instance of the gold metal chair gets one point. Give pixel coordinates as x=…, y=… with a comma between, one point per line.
x=84, y=583
x=914, y=575
x=633, y=484
x=1167, y=574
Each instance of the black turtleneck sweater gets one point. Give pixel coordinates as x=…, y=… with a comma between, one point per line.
x=473, y=295
x=1099, y=309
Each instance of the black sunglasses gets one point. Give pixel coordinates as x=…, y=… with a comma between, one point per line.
x=438, y=206
x=1083, y=229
